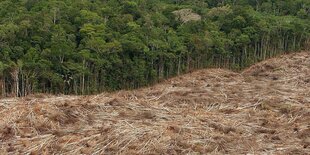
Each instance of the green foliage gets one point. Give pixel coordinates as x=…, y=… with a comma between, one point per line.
x=84, y=47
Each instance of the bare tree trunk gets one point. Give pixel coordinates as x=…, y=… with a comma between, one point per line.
x=294, y=42
x=2, y=90
x=83, y=84
x=15, y=89
x=188, y=62
x=83, y=79
x=28, y=86
x=161, y=68
x=22, y=91
x=179, y=65
x=55, y=15
x=4, y=87
x=307, y=44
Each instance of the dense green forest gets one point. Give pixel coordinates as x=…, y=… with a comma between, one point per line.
x=91, y=46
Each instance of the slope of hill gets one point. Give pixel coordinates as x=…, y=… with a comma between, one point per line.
x=265, y=109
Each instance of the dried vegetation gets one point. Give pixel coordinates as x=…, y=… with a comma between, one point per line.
x=186, y=15
x=265, y=109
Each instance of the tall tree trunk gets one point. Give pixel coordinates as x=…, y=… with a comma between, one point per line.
x=2, y=89
x=179, y=65
x=187, y=62
x=55, y=15
x=15, y=76
x=83, y=79
x=161, y=68
x=22, y=91
x=294, y=42
x=28, y=86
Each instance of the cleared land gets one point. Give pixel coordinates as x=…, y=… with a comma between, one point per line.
x=265, y=109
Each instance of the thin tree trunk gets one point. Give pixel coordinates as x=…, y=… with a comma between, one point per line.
x=2, y=87
x=15, y=90
x=179, y=65
x=83, y=79
x=161, y=68
x=188, y=63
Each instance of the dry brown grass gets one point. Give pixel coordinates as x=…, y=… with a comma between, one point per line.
x=264, y=110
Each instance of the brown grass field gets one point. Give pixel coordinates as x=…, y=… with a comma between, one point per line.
x=263, y=110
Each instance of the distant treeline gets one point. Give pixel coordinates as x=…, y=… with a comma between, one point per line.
x=91, y=46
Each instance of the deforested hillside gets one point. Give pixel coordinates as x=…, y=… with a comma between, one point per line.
x=86, y=47
x=263, y=110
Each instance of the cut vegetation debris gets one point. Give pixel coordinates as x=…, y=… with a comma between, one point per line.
x=263, y=110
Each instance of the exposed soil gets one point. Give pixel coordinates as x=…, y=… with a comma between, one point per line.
x=263, y=110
